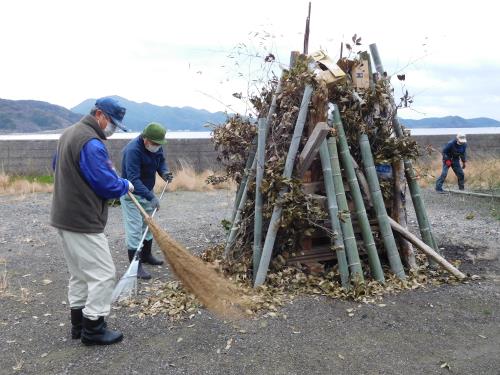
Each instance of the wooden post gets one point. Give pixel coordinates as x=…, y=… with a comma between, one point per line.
x=338, y=242
x=366, y=231
x=287, y=173
x=379, y=205
x=257, y=232
x=306, y=33
x=416, y=197
x=311, y=147
x=399, y=212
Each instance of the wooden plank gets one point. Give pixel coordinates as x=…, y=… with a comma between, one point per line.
x=311, y=148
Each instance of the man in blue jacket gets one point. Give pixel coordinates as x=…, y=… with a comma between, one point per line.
x=454, y=152
x=143, y=157
x=84, y=181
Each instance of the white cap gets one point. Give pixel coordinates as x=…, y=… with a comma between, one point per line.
x=461, y=138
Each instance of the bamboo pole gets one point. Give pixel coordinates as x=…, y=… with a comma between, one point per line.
x=363, y=184
x=366, y=232
x=287, y=173
x=237, y=218
x=429, y=251
x=379, y=206
x=251, y=156
x=243, y=182
x=416, y=197
x=249, y=170
x=338, y=242
x=350, y=245
x=257, y=232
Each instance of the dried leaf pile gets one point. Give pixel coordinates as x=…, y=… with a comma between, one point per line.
x=283, y=285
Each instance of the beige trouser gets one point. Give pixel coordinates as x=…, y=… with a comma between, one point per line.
x=92, y=272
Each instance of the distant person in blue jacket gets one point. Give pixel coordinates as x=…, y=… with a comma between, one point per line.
x=83, y=182
x=454, y=152
x=143, y=157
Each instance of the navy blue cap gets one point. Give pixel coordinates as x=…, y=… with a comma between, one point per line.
x=113, y=109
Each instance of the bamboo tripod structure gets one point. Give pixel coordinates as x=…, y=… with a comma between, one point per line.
x=336, y=160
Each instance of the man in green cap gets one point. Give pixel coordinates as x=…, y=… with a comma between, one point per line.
x=143, y=157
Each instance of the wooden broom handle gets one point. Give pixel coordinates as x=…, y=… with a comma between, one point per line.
x=136, y=202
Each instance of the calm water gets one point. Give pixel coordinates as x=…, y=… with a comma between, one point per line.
x=205, y=135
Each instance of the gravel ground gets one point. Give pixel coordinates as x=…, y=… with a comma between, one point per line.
x=435, y=330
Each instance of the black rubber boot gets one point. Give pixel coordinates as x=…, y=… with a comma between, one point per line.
x=76, y=322
x=94, y=332
x=146, y=255
x=141, y=272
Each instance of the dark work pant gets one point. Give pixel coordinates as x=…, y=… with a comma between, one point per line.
x=459, y=172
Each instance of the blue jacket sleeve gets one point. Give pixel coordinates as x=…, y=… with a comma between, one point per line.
x=98, y=171
x=464, y=155
x=447, y=151
x=133, y=172
x=163, y=167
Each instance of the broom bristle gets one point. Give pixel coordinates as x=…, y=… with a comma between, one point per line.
x=214, y=292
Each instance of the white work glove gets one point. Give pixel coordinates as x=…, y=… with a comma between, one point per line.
x=130, y=186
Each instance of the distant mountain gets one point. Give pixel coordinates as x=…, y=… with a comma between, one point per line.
x=28, y=116
x=450, y=122
x=173, y=118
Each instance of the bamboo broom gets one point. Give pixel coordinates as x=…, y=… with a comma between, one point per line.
x=215, y=293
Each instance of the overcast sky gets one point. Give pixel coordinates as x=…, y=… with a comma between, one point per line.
x=195, y=53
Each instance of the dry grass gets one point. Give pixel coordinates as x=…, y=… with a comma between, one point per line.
x=480, y=174
x=21, y=186
x=186, y=179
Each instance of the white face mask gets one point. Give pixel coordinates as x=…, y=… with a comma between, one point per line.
x=152, y=148
x=109, y=129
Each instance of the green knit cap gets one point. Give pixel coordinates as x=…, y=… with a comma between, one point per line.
x=155, y=133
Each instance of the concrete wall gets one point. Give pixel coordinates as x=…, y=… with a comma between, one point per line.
x=34, y=157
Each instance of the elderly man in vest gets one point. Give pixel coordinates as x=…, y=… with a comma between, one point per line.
x=143, y=157
x=454, y=152
x=84, y=181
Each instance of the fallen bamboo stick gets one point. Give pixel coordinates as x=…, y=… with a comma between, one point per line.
x=429, y=251
x=473, y=194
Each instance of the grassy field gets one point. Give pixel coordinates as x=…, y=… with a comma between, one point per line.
x=480, y=174
x=185, y=179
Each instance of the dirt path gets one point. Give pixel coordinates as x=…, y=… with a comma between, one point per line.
x=410, y=333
